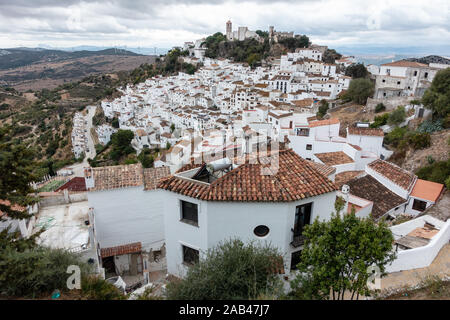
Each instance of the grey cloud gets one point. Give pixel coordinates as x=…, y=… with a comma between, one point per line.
x=48, y=20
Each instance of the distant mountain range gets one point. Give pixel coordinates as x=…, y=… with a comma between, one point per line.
x=138, y=50
x=431, y=59
x=37, y=68
x=18, y=57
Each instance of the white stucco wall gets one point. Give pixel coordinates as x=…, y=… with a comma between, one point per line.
x=423, y=256
x=409, y=208
x=128, y=215
x=218, y=221
x=367, y=143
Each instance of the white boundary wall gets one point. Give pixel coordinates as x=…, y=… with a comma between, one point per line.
x=423, y=256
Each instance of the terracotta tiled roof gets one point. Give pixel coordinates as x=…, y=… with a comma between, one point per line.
x=365, y=131
x=303, y=103
x=427, y=190
x=153, y=175
x=295, y=179
x=397, y=175
x=75, y=184
x=322, y=168
x=119, y=250
x=370, y=189
x=323, y=122
x=334, y=158
x=343, y=177
x=404, y=63
x=114, y=177
x=355, y=146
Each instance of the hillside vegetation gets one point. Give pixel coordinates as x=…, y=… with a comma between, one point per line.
x=27, y=69
x=42, y=119
x=251, y=51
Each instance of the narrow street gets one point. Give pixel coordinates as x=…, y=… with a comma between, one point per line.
x=78, y=167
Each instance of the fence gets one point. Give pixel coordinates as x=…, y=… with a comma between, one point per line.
x=58, y=198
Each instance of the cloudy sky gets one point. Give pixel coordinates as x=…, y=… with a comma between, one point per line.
x=166, y=23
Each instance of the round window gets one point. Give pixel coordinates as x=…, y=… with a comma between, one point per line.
x=261, y=231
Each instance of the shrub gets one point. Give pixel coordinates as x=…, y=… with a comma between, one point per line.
x=231, y=270
x=430, y=126
x=36, y=271
x=96, y=288
x=436, y=172
x=397, y=116
x=419, y=140
x=395, y=136
x=380, y=121
x=380, y=107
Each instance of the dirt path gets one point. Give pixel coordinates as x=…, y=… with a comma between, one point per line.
x=410, y=278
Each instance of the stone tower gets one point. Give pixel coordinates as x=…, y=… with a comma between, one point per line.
x=229, y=30
x=271, y=32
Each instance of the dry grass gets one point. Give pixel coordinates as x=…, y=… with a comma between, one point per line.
x=432, y=288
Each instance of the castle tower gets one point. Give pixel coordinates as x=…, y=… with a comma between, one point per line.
x=271, y=31
x=229, y=30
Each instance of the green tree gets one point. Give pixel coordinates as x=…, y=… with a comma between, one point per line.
x=115, y=123
x=337, y=255
x=146, y=158
x=323, y=108
x=16, y=164
x=357, y=70
x=437, y=96
x=121, y=144
x=231, y=270
x=330, y=56
x=359, y=90
x=253, y=59
x=397, y=116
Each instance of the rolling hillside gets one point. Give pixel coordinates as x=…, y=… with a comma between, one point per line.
x=35, y=69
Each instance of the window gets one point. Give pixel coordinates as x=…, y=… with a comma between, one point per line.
x=190, y=256
x=189, y=212
x=415, y=73
x=309, y=147
x=426, y=75
x=295, y=259
x=419, y=205
x=398, y=82
x=302, y=218
x=261, y=231
x=303, y=132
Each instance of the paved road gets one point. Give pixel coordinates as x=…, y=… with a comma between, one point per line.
x=78, y=168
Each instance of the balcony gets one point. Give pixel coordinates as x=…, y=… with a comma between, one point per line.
x=297, y=239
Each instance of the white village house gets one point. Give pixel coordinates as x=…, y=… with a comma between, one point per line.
x=209, y=204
